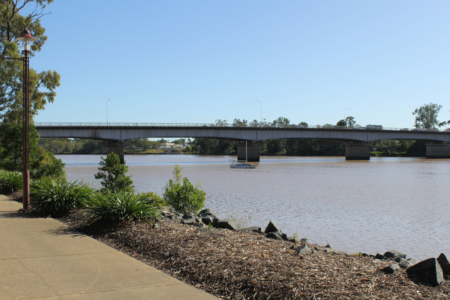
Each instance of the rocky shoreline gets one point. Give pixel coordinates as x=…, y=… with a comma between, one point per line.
x=250, y=263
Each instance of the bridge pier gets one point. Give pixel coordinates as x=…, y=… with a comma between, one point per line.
x=357, y=151
x=438, y=150
x=116, y=147
x=252, y=151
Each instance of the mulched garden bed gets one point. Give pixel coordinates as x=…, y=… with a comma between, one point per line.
x=235, y=265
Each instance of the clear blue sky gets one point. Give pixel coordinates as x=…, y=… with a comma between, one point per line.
x=198, y=61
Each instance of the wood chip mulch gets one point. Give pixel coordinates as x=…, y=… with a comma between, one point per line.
x=234, y=265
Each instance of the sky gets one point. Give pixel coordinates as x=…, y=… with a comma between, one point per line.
x=179, y=61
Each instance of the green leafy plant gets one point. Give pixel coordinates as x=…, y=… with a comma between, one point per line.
x=358, y=254
x=154, y=198
x=184, y=196
x=295, y=235
x=113, y=175
x=10, y=182
x=55, y=198
x=114, y=209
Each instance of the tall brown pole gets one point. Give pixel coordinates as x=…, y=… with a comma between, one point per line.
x=26, y=124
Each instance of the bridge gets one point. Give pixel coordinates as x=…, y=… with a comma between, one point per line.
x=357, y=138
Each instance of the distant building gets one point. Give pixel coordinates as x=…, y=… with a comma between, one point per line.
x=167, y=145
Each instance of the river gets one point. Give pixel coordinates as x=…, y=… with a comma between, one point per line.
x=356, y=206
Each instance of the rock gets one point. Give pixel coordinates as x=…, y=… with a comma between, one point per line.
x=188, y=215
x=275, y=235
x=227, y=224
x=190, y=221
x=328, y=246
x=394, y=254
x=445, y=265
x=251, y=229
x=284, y=236
x=156, y=225
x=380, y=257
x=377, y=260
x=335, y=251
x=207, y=220
x=366, y=255
x=428, y=271
x=304, y=240
x=272, y=227
x=304, y=249
x=407, y=263
x=207, y=213
x=400, y=260
x=391, y=269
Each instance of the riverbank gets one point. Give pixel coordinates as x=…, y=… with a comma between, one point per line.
x=248, y=265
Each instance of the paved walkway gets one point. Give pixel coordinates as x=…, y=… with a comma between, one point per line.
x=41, y=259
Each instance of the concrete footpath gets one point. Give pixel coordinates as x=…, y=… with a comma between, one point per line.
x=41, y=259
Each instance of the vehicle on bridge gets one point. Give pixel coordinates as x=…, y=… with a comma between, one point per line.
x=376, y=127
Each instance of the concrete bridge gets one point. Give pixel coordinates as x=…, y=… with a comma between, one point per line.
x=356, y=138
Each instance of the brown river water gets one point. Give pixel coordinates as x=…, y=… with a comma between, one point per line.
x=356, y=206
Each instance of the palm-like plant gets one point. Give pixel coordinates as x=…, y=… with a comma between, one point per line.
x=122, y=207
x=55, y=198
x=10, y=182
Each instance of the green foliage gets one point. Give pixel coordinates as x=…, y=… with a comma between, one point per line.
x=55, y=198
x=177, y=173
x=42, y=163
x=154, y=199
x=13, y=19
x=426, y=116
x=10, y=182
x=113, y=175
x=184, y=196
x=114, y=209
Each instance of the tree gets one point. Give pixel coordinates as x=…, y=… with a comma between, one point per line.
x=42, y=85
x=426, y=116
x=113, y=175
x=42, y=163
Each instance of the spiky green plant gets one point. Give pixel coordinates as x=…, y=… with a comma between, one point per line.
x=154, y=198
x=10, y=182
x=122, y=207
x=55, y=198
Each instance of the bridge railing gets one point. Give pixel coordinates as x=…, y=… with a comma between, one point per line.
x=212, y=125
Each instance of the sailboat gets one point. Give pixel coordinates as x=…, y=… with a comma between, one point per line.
x=241, y=164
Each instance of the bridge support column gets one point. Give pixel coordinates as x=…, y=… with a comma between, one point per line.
x=116, y=147
x=252, y=151
x=357, y=151
x=438, y=150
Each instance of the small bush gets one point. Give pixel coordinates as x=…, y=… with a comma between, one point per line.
x=10, y=182
x=113, y=209
x=154, y=199
x=184, y=196
x=55, y=198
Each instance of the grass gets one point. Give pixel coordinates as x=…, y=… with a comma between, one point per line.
x=10, y=182
x=55, y=198
x=123, y=207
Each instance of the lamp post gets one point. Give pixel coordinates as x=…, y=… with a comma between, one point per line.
x=107, y=111
x=261, y=111
x=26, y=38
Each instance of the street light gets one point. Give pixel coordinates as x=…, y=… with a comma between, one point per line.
x=261, y=112
x=107, y=111
x=26, y=38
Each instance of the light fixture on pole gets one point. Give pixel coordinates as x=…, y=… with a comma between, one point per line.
x=26, y=38
x=107, y=123
x=261, y=111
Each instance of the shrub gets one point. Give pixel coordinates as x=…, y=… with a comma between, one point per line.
x=10, y=182
x=113, y=175
x=113, y=209
x=184, y=196
x=55, y=198
x=154, y=199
